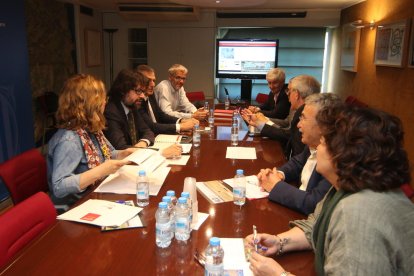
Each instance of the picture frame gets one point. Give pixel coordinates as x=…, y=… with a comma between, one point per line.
x=350, y=47
x=390, y=43
x=411, y=47
x=93, y=48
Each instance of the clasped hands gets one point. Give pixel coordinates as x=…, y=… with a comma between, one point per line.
x=252, y=118
x=268, y=178
x=200, y=114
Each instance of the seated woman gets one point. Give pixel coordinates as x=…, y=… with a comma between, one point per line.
x=364, y=225
x=79, y=154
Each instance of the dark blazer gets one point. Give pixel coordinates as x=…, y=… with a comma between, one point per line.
x=165, y=123
x=279, y=109
x=290, y=196
x=117, y=126
x=290, y=138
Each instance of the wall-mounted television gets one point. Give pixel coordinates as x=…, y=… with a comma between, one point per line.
x=245, y=58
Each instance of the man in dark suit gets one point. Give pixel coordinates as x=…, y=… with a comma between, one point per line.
x=301, y=168
x=154, y=117
x=125, y=127
x=277, y=105
x=289, y=136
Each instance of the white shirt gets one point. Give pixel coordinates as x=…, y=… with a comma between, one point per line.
x=307, y=170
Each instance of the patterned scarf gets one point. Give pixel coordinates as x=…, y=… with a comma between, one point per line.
x=91, y=152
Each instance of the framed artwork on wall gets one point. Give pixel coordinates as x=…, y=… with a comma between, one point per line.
x=411, y=49
x=93, y=48
x=389, y=43
x=350, y=47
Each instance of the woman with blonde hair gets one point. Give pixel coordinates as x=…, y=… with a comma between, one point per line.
x=79, y=154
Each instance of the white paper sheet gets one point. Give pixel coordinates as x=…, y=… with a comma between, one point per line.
x=101, y=213
x=182, y=161
x=140, y=155
x=241, y=153
x=234, y=256
x=208, y=193
x=253, y=190
x=201, y=218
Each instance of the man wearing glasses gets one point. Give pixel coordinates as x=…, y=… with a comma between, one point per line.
x=125, y=127
x=171, y=97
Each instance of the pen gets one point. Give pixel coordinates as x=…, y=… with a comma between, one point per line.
x=254, y=237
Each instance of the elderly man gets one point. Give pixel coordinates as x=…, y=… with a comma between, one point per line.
x=277, y=105
x=154, y=117
x=171, y=97
x=301, y=168
x=289, y=136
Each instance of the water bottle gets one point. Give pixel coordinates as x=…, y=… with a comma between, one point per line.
x=239, y=188
x=211, y=119
x=206, y=106
x=162, y=226
x=214, y=258
x=226, y=102
x=234, y=134
x=196, y=136
x=142, y=189
x=167, y=199
x=182, y=224
x=171, y=194
x=190, y=206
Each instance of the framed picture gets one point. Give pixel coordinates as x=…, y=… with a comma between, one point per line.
x=350, y=47
x=389, y=43
x=93, y=48
x=411, y=49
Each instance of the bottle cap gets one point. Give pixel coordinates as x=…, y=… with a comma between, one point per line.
x=166, y=199
x=141, y=173
x=163, y=205
x=185, y=194
x=214, y=241
x=239, y=171
x=170, y=193
x=182, y=200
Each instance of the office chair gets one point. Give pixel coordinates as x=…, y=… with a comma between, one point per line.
x=24, y=175
x=261, y=98
x=23, y=223
x=195, y=96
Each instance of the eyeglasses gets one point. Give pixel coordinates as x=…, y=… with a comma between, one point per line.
x=178, y=78
x=139, y=91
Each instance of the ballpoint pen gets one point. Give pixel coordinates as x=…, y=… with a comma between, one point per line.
x=254, y=237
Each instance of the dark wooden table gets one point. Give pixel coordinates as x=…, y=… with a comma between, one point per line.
x=70, y=248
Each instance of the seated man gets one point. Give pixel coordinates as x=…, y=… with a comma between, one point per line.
x=171, y=97
x=290, y=137
x=125, y=126
x=154, y=117
x=301, y=168
x=277, y=105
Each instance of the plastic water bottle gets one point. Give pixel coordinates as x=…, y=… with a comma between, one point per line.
x=211, y=119
x=214, y=258
x=182, y=224
x=196, y=136
x=142, y=189
x=167, y=199
x=171, y=194
x=239, y=188
x=206, y=106
x=190, y=206
x=162, y=226
x=227, y=102
x=234, y=134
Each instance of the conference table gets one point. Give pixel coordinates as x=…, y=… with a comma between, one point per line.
x=70, y=248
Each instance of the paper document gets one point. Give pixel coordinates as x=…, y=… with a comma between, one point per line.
x=215, y=191
x=135, y=222
x=253, y=190
x=124, y=181
x=234, y=256
x=152, y=163
x=182, y=161
x=140, y=155
x=241, y=153
x=201, y=218
x=101, y=213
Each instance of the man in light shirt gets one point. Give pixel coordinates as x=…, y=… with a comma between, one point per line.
x=301, y=168
x=171, y=97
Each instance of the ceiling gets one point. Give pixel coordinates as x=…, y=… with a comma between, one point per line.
x=111, y=5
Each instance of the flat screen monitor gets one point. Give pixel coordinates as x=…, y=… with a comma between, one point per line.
x=245, y=58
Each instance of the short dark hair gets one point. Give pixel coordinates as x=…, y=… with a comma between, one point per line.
x=144, y=68
x=125, y=81
x=366, y=146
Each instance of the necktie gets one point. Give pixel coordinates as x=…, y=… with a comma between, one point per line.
x=307, y=170
x=131, y=126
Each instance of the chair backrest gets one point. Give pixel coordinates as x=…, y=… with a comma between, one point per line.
x=351, y=100
x=262, y=98
x=23, y=223
x=24, y=175
x=195, y=96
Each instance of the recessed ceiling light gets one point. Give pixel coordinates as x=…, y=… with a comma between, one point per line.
x=217, y=1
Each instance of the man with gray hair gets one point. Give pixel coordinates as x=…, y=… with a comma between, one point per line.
x=171, y=97
x=301, y=168
x=299, y=88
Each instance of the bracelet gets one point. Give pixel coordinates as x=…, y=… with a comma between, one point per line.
x=285, y=273
x=282, y=243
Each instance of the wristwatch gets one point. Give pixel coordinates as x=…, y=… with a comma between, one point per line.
x=284, y=273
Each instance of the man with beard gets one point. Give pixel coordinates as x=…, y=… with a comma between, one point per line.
x=125, y=127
